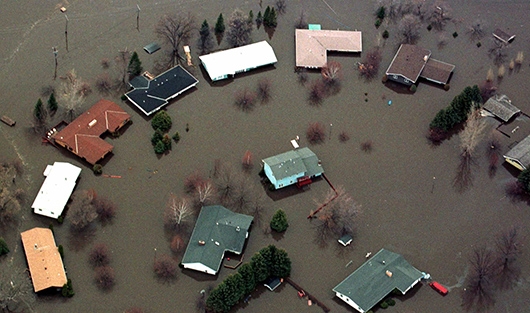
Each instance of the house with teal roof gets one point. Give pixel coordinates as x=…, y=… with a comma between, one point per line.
x=377, y=278
x=291, y=167
x=216, y=231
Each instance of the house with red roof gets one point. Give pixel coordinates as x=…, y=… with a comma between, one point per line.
x=83, y=135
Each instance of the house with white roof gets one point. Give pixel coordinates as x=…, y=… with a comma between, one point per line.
x=56, y=190
x=224, y=64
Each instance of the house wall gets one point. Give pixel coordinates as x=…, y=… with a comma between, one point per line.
x=515, y=163
x=349, y=301
x=199, y=267
x=400, y=79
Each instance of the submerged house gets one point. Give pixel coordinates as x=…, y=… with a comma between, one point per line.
x=82, y=135
x=292, y=167
x=312, y=45
x=501, y=107
x=383, y=273
x=519, y=155
x=44, y=260
x=412, y=62
x=150, y=94
x=227, y=63
x=216, y=231
x=61, y=178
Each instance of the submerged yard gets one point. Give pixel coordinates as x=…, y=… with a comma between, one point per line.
x=404, y=184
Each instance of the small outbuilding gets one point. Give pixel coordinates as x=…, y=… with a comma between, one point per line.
x=227, y=63
x=503, y=36
x=383, y=273
x=519, y=155
x=151, y=94
x=216, y=231
x=61, y=178
x=152, y=48
x=345, y=240
x=501, y=107
x=272, y=283
x=292, y=167
x=44, y=260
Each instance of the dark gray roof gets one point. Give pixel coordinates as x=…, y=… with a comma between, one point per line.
x=139, y=82
x=409, y=62
x=161, y=89
x=521, y=152
x=501, y=106
x=437, y=71
x=370, y=283
x=272, y=283
x=292, y=162
x=221, y=230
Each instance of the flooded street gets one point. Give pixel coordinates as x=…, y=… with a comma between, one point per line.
x=404, y=185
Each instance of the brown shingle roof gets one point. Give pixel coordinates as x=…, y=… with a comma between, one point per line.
x=44, y=261
x=437, y=71
x=81, y=136
x=312, y=45
x=409, y=62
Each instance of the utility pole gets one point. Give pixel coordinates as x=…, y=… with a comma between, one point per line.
x=66, y=32
x=137, y=17
x=55, y=53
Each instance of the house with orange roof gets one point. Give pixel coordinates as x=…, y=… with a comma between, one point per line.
x=83, y=135
x=44, y=260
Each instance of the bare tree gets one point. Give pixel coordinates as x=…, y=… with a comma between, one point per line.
x=476, y=30
x=316, y=92
x=192, y=181
x=497, y=52
x=99, y=255
x=281, y=6
x=301, y=22
x=439, y=14
x=205, y=192
x=331, y=73
x=82, y=211
x=409, y=29
x=239, y=29
x=72, y=95
x=393, y=8
x=165, y=268
x=370, y=64
x=105, y=209
x=122, y=63
x=245, y=99
x=508, y=250
x=478, y=290
x=264, y=90
x=177, y=212
x=473, y=133
x=11, y=196
x=316, y=133
x=16, y=290
x=175, y=30
x=104, y=84
x=105, y=277
x=337, y=216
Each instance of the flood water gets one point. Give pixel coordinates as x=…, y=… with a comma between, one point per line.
x=405, y=185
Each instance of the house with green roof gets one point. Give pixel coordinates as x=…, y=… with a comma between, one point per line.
x=216, y=231
x=377, y=278
x=291, y=167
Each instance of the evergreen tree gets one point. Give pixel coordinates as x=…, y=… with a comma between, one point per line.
x=220, y=25
x=135, y=65
x=261, y=269
x=524, y=179
x=216, y=301
x=235, y=285
x=39, y=113
x=205, y=43
x=4, y=249
x=273, y=18
x=251, y=18
x=161, y=121
x=52, y=103
x=247, y=273
x=259, y=20
x=266, y=16
x=279, y=221
x=281, y=264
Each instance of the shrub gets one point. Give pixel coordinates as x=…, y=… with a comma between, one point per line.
x=161, y=121
x=381, y=13
x=429, y=27
x=391, y=302
x=315, y=133
x=343, y=136
x=385, y=34
x=160, y=147
x=377, y=23
x=177, y=243
x=367, y=146
x=165, y=267
x=99, y=255
x=176, y=137
x=514, y=189
x=455, y=34
x=61, y=251
x=123, y=97
x=4, y=249
x=383, y=305
x=97, y=169
x=52, y=103
x=167, y=142
x=157, y=136
x=413, y=88
x=524, y=180
x=279, y=221
x=68, y=290
x=105, y=277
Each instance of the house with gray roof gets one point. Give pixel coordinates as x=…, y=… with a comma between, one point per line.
x=501, y=107
x=412, y=62
x=216, y=231
x=377, y=278
x=519, y=155
x=151, y=94
x=290, y=167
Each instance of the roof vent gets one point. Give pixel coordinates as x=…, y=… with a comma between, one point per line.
x=92, y=123
x=201, y=243
x=237, y=228
x=388, y=273
x=425, y=58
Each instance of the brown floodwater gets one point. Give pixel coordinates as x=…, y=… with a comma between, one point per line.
x=405, y=185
